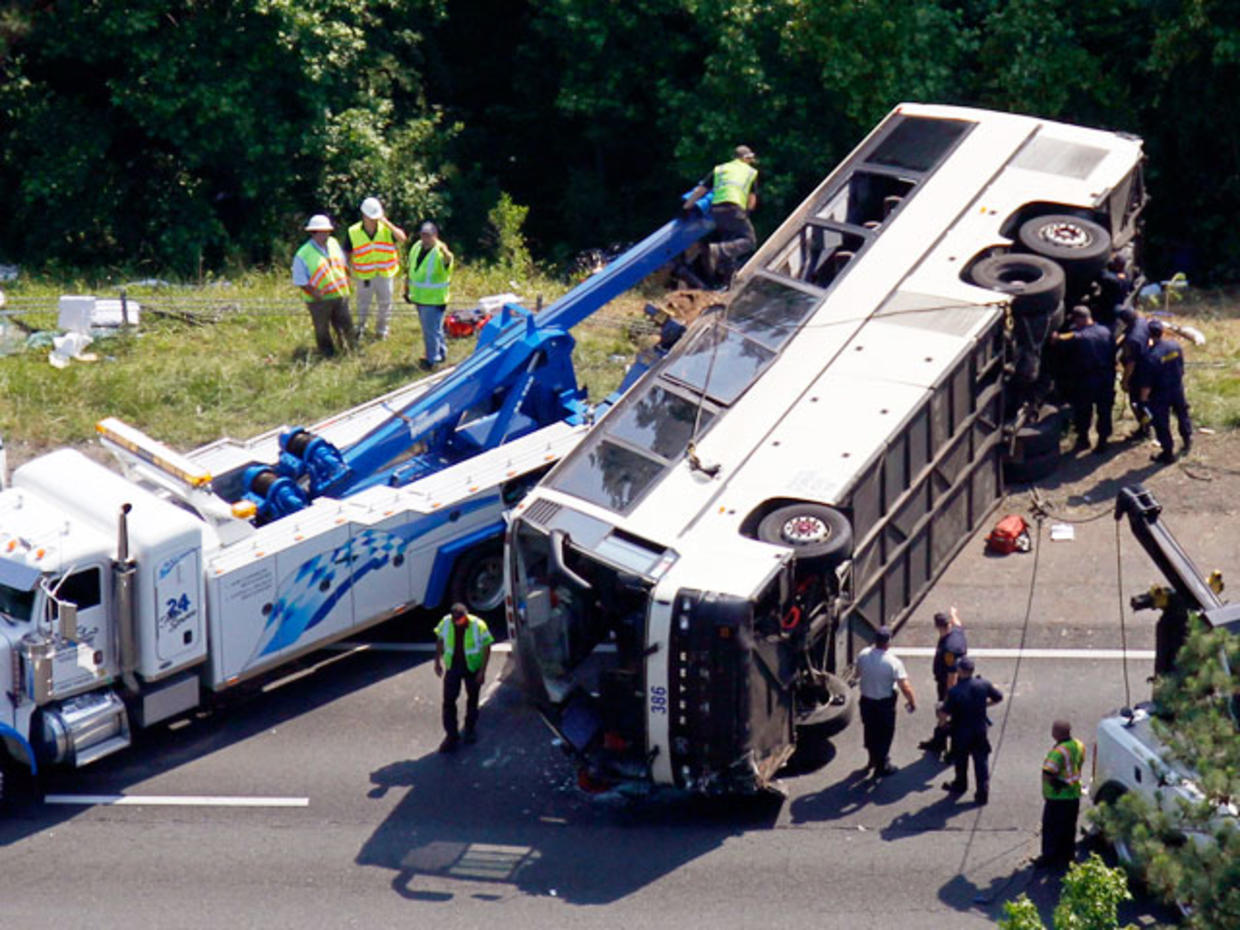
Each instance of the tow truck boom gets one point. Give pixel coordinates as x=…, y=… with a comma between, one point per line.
x=1189, y=590
x=518, y=379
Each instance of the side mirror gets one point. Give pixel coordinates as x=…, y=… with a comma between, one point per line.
x=68, y=619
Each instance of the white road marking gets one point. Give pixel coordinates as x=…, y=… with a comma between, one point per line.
x=155, y=800
x=1134, y=654
x=910, y=651
x=428, y=648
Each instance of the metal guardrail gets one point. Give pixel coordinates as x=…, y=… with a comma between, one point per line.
x=209, y=310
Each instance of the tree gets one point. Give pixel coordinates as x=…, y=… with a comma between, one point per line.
x=1193, y=72
x=185, y=132
x=1191, y=855
x=1088, y=900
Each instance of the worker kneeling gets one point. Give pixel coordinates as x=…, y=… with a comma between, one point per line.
x=732, y=187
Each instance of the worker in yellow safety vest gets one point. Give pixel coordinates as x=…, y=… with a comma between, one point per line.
x=321, y=271
x=462, y=650
x=373, y=262
x=732, y=186
x=1062, y=772
x=428, y=285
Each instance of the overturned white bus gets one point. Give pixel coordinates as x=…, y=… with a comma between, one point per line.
x=808, y=459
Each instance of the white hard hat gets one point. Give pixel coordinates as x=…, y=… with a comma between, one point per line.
x=319, y=223
x=371, y=208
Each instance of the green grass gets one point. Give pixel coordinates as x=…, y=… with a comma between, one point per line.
x=1212, y=376
x=249, y=365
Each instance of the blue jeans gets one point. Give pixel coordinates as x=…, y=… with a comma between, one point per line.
x=431, y=317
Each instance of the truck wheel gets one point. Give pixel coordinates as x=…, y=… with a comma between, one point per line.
x=1035, y=284
x=1117, y=852
x=1081, y=246
x=17, y=784
x=815, y=532
x=478, y=581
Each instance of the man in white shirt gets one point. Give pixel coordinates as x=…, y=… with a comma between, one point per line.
x=881, y=674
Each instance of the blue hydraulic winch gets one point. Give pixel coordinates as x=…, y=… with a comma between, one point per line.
x=273, y=495
x=302, y=452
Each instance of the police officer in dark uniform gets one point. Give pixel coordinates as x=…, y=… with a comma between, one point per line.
x=1134, y=346
x=965, y=708
x=1164, y=393
x=1114, y=286
x=1091, y=388
x=949, y=650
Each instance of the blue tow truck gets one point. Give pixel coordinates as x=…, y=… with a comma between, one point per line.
x=124, y=597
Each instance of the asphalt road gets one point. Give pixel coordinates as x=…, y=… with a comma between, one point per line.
x=375, y=829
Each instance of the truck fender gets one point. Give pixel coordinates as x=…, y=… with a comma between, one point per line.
x=445, y=559
x=19, y=748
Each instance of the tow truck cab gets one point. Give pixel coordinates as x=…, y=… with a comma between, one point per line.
x=101, y=598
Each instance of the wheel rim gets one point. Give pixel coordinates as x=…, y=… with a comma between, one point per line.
x=1066, y=235
x=806, y=529
x=484, y=588
x=1021, y=276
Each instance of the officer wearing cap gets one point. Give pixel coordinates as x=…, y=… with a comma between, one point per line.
x=733, y=186
x=1163, y=391
x=965, y=709
x=881, y=674
x=1092, y=382
x=321, y=271
x=1134, y=346
x=371, y=246
x=948, y=652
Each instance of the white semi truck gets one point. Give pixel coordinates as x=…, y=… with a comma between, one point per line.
x=127, y=597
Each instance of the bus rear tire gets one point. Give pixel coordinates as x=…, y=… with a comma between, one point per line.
x=1041, y=437
x=478, y=581
x=814, y=532
x=1032, y=469
x=1080, y=246
x=1035, y=284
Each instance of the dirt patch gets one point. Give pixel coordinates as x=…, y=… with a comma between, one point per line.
x=687, y=305
x=1207, y=481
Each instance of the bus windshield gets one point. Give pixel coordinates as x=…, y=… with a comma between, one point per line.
x=569, y=605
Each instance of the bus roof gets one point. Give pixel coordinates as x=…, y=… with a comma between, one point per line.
x=805, y=384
